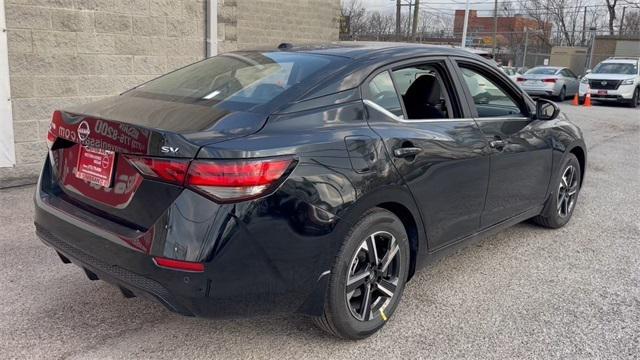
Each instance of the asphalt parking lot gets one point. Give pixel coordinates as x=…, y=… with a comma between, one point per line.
x=524, y=293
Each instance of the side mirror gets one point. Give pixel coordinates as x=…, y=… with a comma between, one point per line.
x=546, y=109
x=588, y=71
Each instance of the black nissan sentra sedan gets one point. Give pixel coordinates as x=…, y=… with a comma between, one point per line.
x=314, y=180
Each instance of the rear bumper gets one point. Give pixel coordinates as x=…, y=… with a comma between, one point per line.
x=130, y=283
x=550, y=90
x=250, y=267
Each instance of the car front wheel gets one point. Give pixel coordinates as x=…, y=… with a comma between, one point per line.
x=564, y=197
x=368, y=277
x=635, y=100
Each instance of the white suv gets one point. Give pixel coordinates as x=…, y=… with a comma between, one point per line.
x=615, y=79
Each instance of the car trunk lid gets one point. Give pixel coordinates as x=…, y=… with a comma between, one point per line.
x=93, y=147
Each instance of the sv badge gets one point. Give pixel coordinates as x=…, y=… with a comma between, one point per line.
x=169, y=149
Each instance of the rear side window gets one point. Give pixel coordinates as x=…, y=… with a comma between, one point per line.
x=235, y=81
x=423, y=91
x=383, y=93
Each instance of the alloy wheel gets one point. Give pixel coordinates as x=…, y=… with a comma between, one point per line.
x=373, y=276
x=567, y=191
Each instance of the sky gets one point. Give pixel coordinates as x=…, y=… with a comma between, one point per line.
x=484, y=7
x=388, y=6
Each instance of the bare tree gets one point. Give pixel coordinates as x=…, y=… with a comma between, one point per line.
x=563, y=14
x=355, y=15
x=379, y=25
x=631, y=24
x=611, y=8
x=631, y=3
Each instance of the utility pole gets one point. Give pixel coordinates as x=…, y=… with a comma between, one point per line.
x=584, y=27
x=495, y=28
x=464, y=26
x=415, y=19
x=593, y=43
x=408, y=30
x=621, y=20
x=526, y=41
x=398, y=8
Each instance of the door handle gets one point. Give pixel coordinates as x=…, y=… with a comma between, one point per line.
x=406, y=151
x=497, y=144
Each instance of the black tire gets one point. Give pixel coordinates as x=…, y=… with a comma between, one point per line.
x=635, y=100
x=339, y=317
x=563, y=199
x=562, y=95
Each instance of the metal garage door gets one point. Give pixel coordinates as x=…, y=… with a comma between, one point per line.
x=629, y=48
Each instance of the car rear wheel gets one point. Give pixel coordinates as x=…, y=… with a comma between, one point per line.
x=564, y=197
x=562, y=95
x=368, y=277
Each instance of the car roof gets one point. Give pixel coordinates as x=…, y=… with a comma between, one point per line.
x=549, y=67
x=359, y=49
x=621, y=60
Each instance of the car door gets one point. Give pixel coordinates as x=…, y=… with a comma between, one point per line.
x=521, y=155
x=435, y=146
x=571, y=80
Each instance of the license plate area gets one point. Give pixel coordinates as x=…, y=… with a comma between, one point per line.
x=95, y=165
x=602, y=92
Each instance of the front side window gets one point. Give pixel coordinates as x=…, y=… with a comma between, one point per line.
x=490, y=97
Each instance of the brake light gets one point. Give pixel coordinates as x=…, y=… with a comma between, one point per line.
x=232, y=180
x=549, y=80
x=520, y=79
x=222, y=180
x=178, y=264
x=169, y=170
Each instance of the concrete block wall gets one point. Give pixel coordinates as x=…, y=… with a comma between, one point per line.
x=65, y=52
x=262, y=23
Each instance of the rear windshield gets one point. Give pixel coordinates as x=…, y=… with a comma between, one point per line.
x=616, y=68
x=542, y=71
x=235, y=81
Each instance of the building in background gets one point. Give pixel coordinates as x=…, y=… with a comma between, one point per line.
x=480, y=28
x=606, y=46
x=68, y=52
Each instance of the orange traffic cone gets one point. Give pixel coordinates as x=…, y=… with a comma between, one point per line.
x=576, y=100
x=587, y=100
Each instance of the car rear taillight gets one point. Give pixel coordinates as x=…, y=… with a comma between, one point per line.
x=233, y=180
x=549, y=80
x=168, y=170
x=520, y=79
x=221, y=180
x=51, y=133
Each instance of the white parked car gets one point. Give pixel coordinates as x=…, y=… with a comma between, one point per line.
x=555, y=81
x=615, y=79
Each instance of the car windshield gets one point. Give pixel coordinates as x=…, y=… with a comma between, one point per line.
x=235, y=81
x=542, y=71
x=616, y=68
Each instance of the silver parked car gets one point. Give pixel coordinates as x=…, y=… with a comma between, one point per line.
x=559, y=82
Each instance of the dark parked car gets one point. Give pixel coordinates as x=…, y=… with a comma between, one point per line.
x=315, y=180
